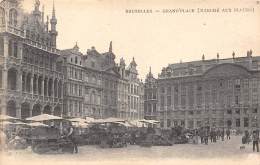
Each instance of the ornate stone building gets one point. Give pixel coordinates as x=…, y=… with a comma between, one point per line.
x=130, y=92
x=91, y=83
x=101, y=83
x=217, y=92
x=31, y=67
x=36, y=77
x=150, y=97
x=74, y=81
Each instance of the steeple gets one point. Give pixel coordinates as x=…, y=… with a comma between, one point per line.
x=133, y=63
x=43, y=14
x=149, y=75
x=53, y=10
x=47, y=24
x=53, y=31
x=110, y=47
x=53, y=18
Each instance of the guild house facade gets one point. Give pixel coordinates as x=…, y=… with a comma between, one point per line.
x=36, y=77
x=217, y=93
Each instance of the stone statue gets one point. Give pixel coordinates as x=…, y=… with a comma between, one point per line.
x=37, y=5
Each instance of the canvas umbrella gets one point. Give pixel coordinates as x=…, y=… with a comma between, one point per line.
x=37, y=124
x=44, y=117
x=89, y=119
x=78, y=120
x=6, y=117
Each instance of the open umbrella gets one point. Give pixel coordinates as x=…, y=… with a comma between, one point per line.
x=44, y=117
x=80, y=124
x=149, y=121
x=89, y=119
x=138, y=124
x=78, y=120
x=4, y=123
x=112, y=119
x=99, y=121
x=37, y=124
x=126, y=124
x=6, y=117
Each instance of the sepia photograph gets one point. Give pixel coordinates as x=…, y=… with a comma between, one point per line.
x=130, y=81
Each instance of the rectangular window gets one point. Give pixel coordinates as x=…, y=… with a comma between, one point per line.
x=154, y=108
x=237, y=100
x=162, y=101
x=169, y=123
x=246, y=111
x=183, y=123
x=237, y=84
x=169, y=100
x=162, y=90
x=169, y=89
x=237, y=122
x=246, y=122
x=15, y=49
x=255, y=110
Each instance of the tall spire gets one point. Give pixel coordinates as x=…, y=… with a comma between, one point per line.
x=42, y=13
x=110, y=47
x=150, y=69
x=53, y=31
x=53, y=10
x=47, y=24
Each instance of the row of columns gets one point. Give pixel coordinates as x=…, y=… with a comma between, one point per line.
x=40, y=85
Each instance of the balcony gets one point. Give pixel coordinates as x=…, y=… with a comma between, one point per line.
x=40, y=46
x=13, y=30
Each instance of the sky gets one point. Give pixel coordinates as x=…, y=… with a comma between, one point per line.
x=157, y=39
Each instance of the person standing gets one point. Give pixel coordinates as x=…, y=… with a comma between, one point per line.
x=206, y=135
x=222, y=134
x=71, y=136
x=255, y=138
x=214, y=136
x=201, y=135
x=228, y=134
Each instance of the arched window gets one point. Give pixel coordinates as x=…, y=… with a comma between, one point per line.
x=2, y=16
x=13, y=17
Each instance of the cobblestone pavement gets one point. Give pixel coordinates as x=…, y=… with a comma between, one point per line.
x=227, y=151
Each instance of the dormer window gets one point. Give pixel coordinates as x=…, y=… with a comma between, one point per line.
x=76, y=60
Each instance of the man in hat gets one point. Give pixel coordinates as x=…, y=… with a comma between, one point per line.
x=255, y=138
x=71, y=136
